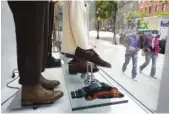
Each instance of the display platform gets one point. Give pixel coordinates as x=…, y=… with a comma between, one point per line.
x=75, y=82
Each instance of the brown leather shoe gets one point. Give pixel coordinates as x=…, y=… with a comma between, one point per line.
x=92, y=56
x=37, y=95
x=48, y=84
x=80, y=67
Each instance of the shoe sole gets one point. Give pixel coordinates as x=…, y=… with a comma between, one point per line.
x=27, y=103
x=74, y=72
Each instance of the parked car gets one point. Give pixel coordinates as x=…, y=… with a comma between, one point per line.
x=162, y=45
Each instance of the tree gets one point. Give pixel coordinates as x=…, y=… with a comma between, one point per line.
x=116, y=7
x=103, y=9
x=135, y=14
x=161, y=13
x=103, y=12
x=109, y=9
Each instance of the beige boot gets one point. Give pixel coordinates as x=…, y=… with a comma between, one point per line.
x=37, y=95
x=48, y=84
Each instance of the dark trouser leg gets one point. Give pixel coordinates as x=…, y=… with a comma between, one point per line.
x=127, y=60
x=51, y=17
x=45, y=36
x=28, y=17
x=51, y=61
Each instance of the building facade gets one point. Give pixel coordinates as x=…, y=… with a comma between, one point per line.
x=151, y=7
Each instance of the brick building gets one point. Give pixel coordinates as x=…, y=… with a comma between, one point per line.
x=151, y=7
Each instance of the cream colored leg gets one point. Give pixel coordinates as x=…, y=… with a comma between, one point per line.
x=68, y=43
x=75, y=29
x=79, y=22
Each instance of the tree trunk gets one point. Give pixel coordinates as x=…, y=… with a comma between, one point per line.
x=98, y=24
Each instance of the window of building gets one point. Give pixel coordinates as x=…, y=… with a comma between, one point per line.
x=150, y=8
x=163, y=7
x=146, y=9
x=156, y=8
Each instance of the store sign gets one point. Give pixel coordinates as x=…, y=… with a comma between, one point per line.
x=164, y=24
x=142, y=25
x=163, y=27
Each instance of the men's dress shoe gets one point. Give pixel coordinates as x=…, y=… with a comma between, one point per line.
x=81, y=67
x=37, y=95
x=48, y=84
x=52, y=62
x=68, y=55
x=92, y=56
x=78, y=65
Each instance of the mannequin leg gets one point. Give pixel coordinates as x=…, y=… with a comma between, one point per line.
x=51, y=17
x=48, y=84
x=29, y=24
x=51, y=61
x=75, y=33
x=79, y=27
x=68, y=44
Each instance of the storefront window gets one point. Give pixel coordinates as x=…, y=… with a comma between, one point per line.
x=132, y=43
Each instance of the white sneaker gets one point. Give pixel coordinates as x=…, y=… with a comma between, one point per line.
x=153, y=77
x=135, y=79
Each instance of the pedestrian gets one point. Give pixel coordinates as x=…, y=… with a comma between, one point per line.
x=132, y=49
x=151, y=48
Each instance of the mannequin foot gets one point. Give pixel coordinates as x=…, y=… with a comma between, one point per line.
x=52, y=62
x=37, y=95
x=48, y=84
x=92, y=56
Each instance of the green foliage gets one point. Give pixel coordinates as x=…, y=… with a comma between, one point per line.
x=136, y=14
x=162, y=13
x=104, y=9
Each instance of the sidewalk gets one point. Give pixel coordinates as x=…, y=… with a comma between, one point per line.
x=146, y=89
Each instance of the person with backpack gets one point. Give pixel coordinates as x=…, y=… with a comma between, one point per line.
x=151, y=48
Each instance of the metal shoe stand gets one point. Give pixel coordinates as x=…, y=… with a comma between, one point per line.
x=89, y=76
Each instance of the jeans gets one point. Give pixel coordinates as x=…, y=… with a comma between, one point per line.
x=149, y=56
x=127, y=60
